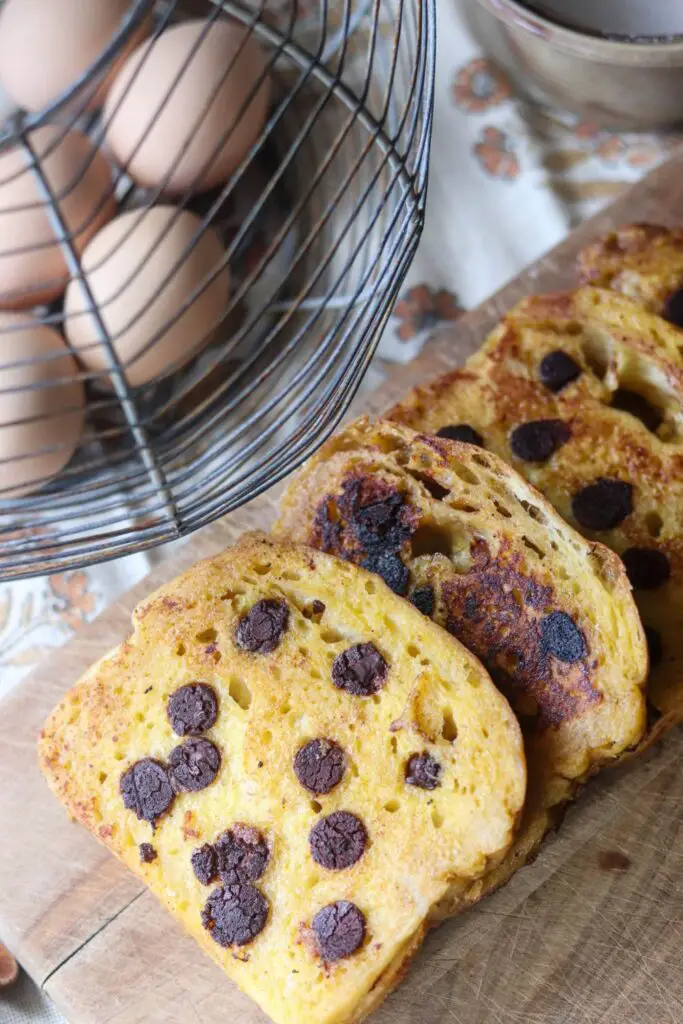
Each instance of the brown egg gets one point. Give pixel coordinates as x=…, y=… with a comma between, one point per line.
x=41, y=408
x=169, y=133
x=142, y=269
x=46, y=45
x=32, y=265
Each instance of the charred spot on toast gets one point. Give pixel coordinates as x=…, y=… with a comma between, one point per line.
x=509, y=621
x=367, y=523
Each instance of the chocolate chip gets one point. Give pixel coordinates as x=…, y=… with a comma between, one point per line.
x=147, y=853
x=319, y=765
x=193, y=765
x=205, y=864
x=192, y=709
x=146, y=789
x=380, y=525
x=537, y=440
x=646, y=568
x=603, y=504
x=561, y=637
x=360, y=670
x=262, y=628
x=390, y=568
x=558, y=369
x=461, y=432
x=423, y=770
x=423, y=599
x=242, y=854
x=339, y=929
x=235, y=915
x=654, y=646
x=338, y=840
x=673, y=310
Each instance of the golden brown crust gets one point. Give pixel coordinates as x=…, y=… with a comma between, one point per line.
x=628, y=359
x=272, y=702
x=499, y=565
x=642, y=261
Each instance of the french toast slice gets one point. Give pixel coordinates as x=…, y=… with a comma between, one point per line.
x=301, y=767
x=457, y=532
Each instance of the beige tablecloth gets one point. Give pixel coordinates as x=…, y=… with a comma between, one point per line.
x=507, y=182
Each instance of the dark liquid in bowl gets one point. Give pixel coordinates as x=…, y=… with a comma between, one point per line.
x=635, y=21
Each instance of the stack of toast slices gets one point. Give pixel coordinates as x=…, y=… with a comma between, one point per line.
x=325, y=740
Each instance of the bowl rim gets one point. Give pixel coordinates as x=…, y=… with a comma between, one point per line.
x=584, y=44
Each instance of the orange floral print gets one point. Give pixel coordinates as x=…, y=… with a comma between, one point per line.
x=480, y=85
x=496, y=154
x=73, y=602
x=422, y=309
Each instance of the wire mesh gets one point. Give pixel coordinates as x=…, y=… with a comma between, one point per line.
x=318, y=223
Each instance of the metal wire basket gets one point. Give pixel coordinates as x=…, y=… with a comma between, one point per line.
x=319, y=223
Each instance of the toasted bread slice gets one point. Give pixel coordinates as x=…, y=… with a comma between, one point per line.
x=299, y=765
x=469, y=542
x=612, y=375
x=643, y=262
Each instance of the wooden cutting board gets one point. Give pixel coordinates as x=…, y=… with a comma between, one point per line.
x=590, y=934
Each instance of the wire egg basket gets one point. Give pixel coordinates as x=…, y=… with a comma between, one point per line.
x=319, y=223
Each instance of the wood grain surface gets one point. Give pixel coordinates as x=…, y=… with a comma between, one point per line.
x=590, y=934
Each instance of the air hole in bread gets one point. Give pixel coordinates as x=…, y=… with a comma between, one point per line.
x=139, y=717
x=465, y=474
x=481, y=460
x=517, y=595
x=102, y=777
x=597, y=355
x=370, y=587
x=462, y=506
x=264, y=568
x=119, y=755
x=304, y=652
x=330, y=636
x=316, y=807
x=532, y=547
x=449, y=730
x=533, y=511
x=240, y=693
x=654, y=523
x=435, y=489
x=392, y=806
x=412, y=651
x=285, y=708
x=437, y=818
x=180, y=649
x=207, y=636
x=376, y=699
x=289, y=574
x=430, y=539
x=485, y=732
x=393, y=744
x=502, y=509
x=389, y=624
x=639, y=406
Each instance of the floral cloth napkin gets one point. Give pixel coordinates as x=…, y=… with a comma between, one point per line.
x=507, y=181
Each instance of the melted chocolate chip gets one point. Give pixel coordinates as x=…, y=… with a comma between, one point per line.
x=423, y=770
x=390, y=567
x=646, y=568
x=603, y=504
x=360, y=670
x=146, y=789
x=318, y=607
x=339, y=929
x=147, y=853
x=319, y=765
x=205, y=864
x=338, y=841
x=673, y=310
x=537, y=440
x=654, y=646
x=561, y=637
x=192, y=709
x=558, y=369
x=461, y=432
x=262, y=628
x=235, y=915
x=193, y=765
x=379, y=525
x=242, y=854
x=423, y=599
